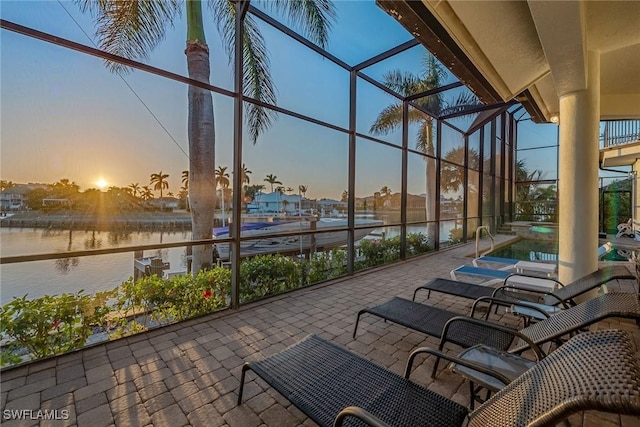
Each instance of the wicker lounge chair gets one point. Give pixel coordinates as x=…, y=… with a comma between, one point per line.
x=467, y=331
x=564, y=295
x=596, y=370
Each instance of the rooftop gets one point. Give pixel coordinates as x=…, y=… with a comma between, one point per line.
x=188, y=373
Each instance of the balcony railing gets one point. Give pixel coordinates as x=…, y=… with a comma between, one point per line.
x=620, y=132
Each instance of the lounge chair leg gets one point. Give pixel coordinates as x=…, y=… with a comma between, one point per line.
x=355, y=329
x=435, y=368
x=472, y=395
x=245, y=368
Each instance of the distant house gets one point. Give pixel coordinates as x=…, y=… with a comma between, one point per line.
x=327, y=206
x=164, y=203
x=55, y=202
x=14, y=198
x=274, y=202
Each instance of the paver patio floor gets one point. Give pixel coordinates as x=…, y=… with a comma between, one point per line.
x=188, y=373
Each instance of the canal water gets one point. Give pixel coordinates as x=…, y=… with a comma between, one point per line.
x=91, y=273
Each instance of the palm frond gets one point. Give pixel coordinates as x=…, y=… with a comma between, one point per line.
x=257, y=80
x=460, y=104
x=131, y=29
x=389, y=119
x=432, y=103
x=402, y=82
x=433, y=71
x=313, y=17
x=256, y=77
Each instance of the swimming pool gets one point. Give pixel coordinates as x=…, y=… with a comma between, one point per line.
x=538, y=250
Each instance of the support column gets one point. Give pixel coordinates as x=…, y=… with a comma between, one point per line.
x=578, y=177
x=635, y=199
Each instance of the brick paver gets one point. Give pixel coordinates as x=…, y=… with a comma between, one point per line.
x=188, y=373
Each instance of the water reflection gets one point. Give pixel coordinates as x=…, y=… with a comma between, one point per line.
x=64, y=266
x=92, y=242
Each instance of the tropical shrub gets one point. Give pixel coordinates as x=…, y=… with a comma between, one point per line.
x=418, y=243
x=51, y=324
x=373, y=252
x=171, y=300
x=264, y=275
x=327, y=265
x=455, y=235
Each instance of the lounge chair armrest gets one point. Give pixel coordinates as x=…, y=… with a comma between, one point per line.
x=533, y=291
x=557, y=282
x=539, y=354
x=519, y=288
x=355, y=411
x=505, y=302
x=455, y=359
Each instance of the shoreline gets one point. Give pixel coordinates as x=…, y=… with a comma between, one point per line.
x=180, y=221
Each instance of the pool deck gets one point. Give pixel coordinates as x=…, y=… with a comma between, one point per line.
x=187, y=374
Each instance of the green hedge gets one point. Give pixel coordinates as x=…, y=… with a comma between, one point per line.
x=54, y=324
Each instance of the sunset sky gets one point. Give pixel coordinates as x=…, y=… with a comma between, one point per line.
x=64, y=115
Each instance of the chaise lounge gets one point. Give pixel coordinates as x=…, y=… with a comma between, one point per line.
x=467, y=331
x=564, y=296
x=333, y=386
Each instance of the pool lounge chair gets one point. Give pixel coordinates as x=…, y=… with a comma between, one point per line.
x=467, y=331
x=511, y=264
x=332, y=385
x=563, y=296
x=493, y=260
x=507, y=276
x=625, y=229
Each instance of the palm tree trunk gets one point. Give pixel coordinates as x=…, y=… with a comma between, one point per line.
x=201, y=134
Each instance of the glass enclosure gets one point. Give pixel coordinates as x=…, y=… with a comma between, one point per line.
x=358, y=160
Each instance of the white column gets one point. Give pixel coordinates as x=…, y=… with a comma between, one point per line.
x=578, y=177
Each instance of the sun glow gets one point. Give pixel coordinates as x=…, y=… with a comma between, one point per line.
x=101, y=183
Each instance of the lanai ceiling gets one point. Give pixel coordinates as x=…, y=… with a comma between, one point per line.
x=533, y=51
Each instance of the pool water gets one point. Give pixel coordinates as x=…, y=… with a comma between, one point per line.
x=538, y=250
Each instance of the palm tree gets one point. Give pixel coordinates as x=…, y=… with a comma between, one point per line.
x=134, y=187
x=146, y=193
x=185, y=180
x=246, y=179
x=451, y=178
x=272, y=179
x=252, y=190
x=385, y=193
x=222, y=180
x=4, y=185
x=222, y=177
x=389, y=119
x=159, y=181
x=133, y=29
x=530, y=195
x=303, y=193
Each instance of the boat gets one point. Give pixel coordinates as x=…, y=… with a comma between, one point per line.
x=265, y=242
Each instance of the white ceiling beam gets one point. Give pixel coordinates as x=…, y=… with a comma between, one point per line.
x=561, y=29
